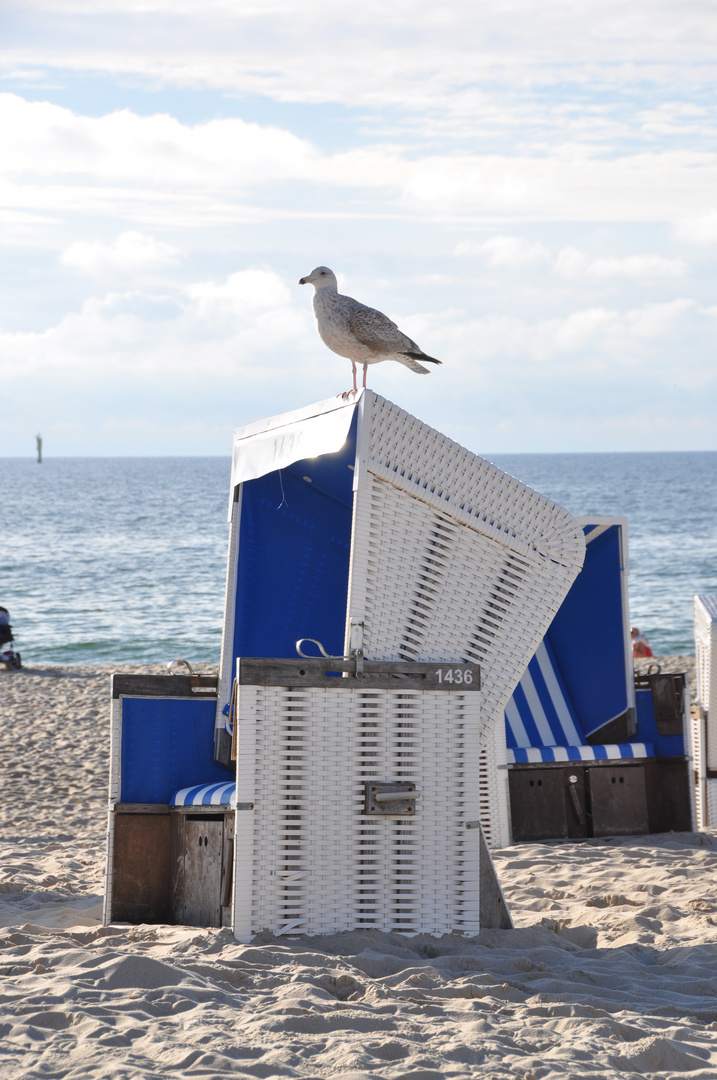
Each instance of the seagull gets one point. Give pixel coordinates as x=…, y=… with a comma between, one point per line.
x=361, y=333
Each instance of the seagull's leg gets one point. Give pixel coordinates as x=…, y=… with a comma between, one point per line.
x=365, y=369
x=347, y=392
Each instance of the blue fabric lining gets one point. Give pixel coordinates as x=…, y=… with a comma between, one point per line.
x=293, y=567
x=166, y=743
x=588, y=635
x=540, y=712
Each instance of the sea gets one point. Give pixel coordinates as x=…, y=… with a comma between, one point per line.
x=123, y=560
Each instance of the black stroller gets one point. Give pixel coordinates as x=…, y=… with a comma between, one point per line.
x=8, y=657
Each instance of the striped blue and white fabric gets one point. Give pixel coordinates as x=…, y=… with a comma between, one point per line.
x=207, y=795
x=541, y=724
x=540, y=712
x=602, y=752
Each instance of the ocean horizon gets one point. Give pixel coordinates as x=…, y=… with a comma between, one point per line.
x=116, y=560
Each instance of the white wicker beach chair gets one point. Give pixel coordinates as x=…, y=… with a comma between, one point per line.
x=589, y=754
x=447, y=560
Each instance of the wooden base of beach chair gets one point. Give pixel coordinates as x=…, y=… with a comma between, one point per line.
x=576, y=800
x=171, y=865
x=140, y=865
x=202, y=861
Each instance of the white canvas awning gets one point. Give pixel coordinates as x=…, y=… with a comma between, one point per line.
x=280, y=441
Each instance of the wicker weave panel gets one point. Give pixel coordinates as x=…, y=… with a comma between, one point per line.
x=493, y=787
x=420, y=460
x=711, y=802
x=694, y=732
x=453, y=559
x=308, y=859
x=705, y=624
x=429, y=588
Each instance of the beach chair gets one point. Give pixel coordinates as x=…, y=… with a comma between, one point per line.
x=590, y=751
x=418, y=579
x=704, y=712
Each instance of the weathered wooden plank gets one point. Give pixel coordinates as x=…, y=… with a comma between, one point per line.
x=537, y=804
x=141, y=808
x=141, y=886
x=216, y=808
x=163, y=685
x=200, y=903
x=341, y=674
x=494, y=912
x=618, y=800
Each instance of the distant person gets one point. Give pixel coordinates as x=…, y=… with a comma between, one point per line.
x=640, y=644
x=4, y=616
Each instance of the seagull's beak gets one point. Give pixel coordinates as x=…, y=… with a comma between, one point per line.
x=303, y=280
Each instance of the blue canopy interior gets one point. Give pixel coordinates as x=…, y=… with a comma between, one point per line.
x=587, y=636
x=166, y=744
x=577, y=680
x=293, y=562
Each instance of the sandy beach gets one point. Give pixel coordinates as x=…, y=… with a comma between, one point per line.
x=610, y=972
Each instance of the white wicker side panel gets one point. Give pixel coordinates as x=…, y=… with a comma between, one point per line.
x=493, y=786
x=410, y=455
x=705, y=623
x=695, y=740
x=318, y=864
x=711, y=801
x=115, y=788
x=430, y=587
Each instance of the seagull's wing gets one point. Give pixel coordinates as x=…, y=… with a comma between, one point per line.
x=376, y=331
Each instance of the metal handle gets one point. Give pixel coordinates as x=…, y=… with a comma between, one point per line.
x=392, y=796
x=356, y=656
x=319, y=646
x=173, y=664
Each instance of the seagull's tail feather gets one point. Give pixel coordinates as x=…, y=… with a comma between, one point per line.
x=412, y=358
x=409, y=362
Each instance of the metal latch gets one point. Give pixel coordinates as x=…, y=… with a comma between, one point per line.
x=395, y=797
x=355, y=653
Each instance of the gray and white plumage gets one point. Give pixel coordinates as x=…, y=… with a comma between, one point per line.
x=361, y=333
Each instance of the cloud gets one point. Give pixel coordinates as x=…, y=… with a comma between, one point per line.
x=697, y=230
x=155, y=170
x=571, y=263
x=243, y=326
x=208, y=355
x=415, y=53
x=591, y=347
x=129, y=252
x=510, y=251
x=574, y=264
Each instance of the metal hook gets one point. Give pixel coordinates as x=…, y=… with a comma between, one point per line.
x=357, y=655
x=173, y=663
x=319, y=646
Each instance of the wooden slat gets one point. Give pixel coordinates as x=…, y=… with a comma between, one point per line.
x=537, y=804
x=141, y=886
x=164, y=685
x=216, y=808
x=141, y=808
x=618, y=800
x=494, y=912
x=379, y=674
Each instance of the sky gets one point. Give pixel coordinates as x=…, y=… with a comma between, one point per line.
x=528, y=188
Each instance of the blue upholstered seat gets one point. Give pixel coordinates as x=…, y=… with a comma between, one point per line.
x=214, y=795
x=601, y=752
